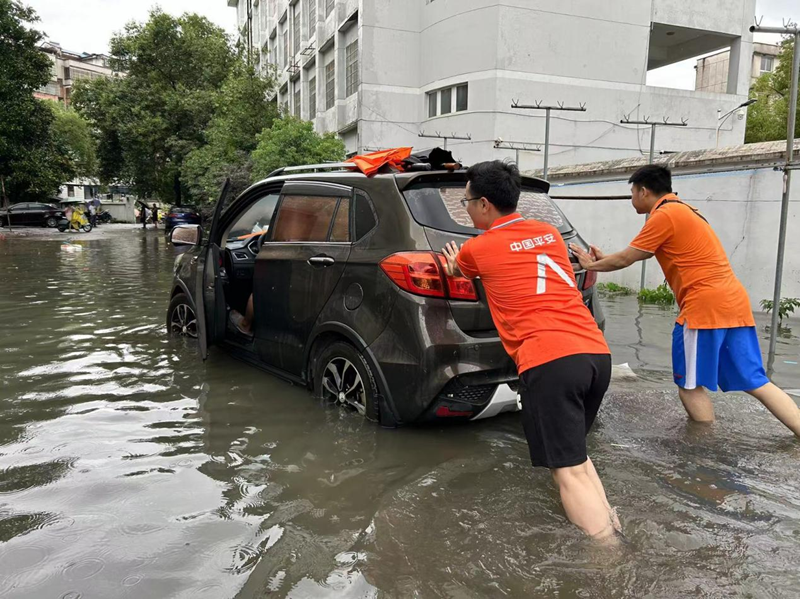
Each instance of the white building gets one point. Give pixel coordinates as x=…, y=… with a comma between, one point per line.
x=712, y=71
x=380, y=71
x=69, y=67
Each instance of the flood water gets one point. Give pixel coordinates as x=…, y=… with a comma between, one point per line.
x=130, y=468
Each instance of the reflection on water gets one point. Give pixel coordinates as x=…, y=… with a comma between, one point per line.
x=129, y=468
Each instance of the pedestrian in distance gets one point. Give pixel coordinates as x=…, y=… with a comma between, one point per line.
x=154, y=215
x=93, y=214
x=563, y=360
x=714, y=342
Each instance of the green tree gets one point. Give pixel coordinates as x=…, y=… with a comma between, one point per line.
x=149, y=121
x=71, y=131
x=32, y=163
x=766, y=119
x=291, y=142
x=242, y=112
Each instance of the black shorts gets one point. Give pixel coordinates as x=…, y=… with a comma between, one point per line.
x=560, y=400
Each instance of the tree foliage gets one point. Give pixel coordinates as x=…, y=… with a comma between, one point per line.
x=242, y=112
x=291, y=142
x=32, y=162
x=71, y=131
x=767, y=118
x=149, y=121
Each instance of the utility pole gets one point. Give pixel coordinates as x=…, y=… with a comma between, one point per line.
x=517, y=146
x=437, y=135
x=547, y=109
x=653, y=126
x=787, y=29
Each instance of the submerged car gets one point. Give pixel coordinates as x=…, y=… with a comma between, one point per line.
x=31, y=214
x=351, y=298
x=181, y=215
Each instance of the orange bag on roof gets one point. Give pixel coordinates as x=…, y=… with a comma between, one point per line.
x=370, y=163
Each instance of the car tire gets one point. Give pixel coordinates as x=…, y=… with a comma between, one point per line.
x=181, y=317
x=342, y=375
x=51, y=222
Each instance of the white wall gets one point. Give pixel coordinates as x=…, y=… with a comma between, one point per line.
x=743, y=207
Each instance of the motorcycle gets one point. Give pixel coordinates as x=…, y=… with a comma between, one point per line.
x=79, y=222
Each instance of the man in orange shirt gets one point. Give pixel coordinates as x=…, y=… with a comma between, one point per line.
x=562, y=358
x=714, y=343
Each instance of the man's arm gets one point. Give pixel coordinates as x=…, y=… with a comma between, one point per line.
x=597, y=261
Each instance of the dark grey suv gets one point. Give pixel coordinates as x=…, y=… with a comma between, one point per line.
x=349, y=291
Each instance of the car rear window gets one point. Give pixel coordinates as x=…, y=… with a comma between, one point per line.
x=439, y=207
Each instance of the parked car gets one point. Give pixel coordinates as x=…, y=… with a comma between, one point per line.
x=181, y=215
x=351, y=298
x=31, y=214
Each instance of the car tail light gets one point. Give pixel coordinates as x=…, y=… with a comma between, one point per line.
x=421, y=273
x=172, y=215
x=458, y=287
x=589, y=279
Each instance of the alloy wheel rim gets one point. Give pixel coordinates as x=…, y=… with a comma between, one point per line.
x=342, y=383
x=183, y=322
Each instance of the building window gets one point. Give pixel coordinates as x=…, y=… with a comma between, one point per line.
x=312, y=18
x=441, y=101
x=767, y=63
x=70, y=191
x=329, y=6
x=330, y=84
x=432, y=104
x=296, y=26
x=351, y=73
x=446, y=103
x=461, y=98
x=285, y=48
x=297, y=99
x=312, y=97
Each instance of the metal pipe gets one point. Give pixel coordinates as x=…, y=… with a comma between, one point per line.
x=787, y=185
x=546, y=143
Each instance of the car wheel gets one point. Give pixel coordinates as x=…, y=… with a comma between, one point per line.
x=181, y=319
x=51, y=222
x=342, y=375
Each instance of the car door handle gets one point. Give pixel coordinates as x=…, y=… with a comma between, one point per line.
x=321, y=261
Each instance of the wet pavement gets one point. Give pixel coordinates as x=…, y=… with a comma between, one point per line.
x=129, y=468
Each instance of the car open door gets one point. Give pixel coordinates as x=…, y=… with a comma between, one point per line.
x=209, y=294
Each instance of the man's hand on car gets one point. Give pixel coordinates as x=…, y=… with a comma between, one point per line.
x=450, y=252
x=586, y=259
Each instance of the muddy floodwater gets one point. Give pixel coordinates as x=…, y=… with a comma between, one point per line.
x=130, y=468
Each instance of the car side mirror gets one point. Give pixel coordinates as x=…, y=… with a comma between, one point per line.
x=186, y=235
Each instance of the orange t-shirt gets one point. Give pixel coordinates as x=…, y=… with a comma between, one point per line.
x=693, y=260
x=535, y=303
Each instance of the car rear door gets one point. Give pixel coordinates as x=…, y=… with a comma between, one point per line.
x=298, y=267
x=209, y=296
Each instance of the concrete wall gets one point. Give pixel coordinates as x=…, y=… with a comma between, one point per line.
x=742, y=206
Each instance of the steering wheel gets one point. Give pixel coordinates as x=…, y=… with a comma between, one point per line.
x=255, y=246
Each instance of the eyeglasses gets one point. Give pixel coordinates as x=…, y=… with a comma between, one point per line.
x=466, y=199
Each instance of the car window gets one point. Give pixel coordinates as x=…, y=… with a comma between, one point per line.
x=304, y=218
x=439, y=206
x=341, y=224
x=19, y=207
x=364, y=219
x=255, y=220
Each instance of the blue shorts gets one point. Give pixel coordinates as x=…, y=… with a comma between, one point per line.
x=728, y=358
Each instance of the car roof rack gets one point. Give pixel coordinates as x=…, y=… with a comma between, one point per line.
x=328, y=166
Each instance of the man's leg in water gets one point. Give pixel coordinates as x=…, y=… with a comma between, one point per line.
x=585, y=506
x=247, y=321
x=602, y=492
x=697, y=403
x=780, y=404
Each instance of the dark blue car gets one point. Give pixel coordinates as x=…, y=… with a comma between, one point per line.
x=181, y=215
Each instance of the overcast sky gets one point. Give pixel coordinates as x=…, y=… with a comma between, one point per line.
x=87, y=25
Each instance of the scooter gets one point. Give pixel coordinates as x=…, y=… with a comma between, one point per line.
x=79, y=222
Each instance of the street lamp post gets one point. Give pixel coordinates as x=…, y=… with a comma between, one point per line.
x=724, y=117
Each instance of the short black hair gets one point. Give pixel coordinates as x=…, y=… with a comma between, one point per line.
x=497, y=181
x=657, y=179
